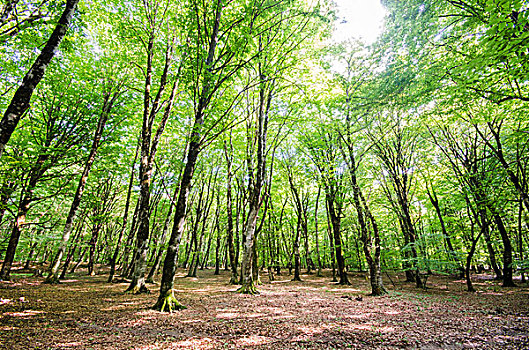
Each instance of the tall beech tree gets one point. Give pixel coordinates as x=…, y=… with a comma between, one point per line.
x=397, y=152
x=221, y=53
x=21, y=99
x=111, y=92
x=323, y=149
x=61, y=127
x=156, y=15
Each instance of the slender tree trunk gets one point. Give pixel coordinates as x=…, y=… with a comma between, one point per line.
x=375, y=272
x=80, y=260
x=507, y=252
x=336, y=227
x=53, y=273
x=520, y=239
x=295, y=253
x=255, y=201
x=20, y=102
x=34, y=175
x=470, y=255
x=331, y=244
x=318, y=272
x=193, y=242
x=29, y=259
x=126, y=262
x=114, y=258
x=217, y=253
x=169, y=267
x=490, y=249
x=165, y=231
x=435, y=202
x=363, y=214
x=149, y=146
x=72, y=250
x=229, y=234
x=93, y=243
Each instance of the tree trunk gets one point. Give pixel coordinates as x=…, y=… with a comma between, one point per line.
x=295, y=253
x=31, y=253
x=93, y=242
x=170, y=262
x=20, y=102
x=520, y=239
x=470, y=287
x=165, y=231
x=375, y=272
x=125, y=266
x=114, y=258
x=149, y=146
x=71, y=251
x=217, y=254
x=331, y=244
x=53, y=273
x=507, y=252
x=318, y=273
x=81, y=255
x=34, y=175
x=435, y=202
x=336, y=226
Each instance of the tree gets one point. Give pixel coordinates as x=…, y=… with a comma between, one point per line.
x=155, y=17
x=324, y=151
x=217, y=65
x=110, y=96
x=61, y=127
x=21, y=99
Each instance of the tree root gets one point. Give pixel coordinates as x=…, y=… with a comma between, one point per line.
x=138, y=290
x=376, y=292
x=248, y=289
x=120, y=280
x=170, y=302
x=51, y=279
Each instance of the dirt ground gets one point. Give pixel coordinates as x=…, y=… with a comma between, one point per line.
x=87, y=313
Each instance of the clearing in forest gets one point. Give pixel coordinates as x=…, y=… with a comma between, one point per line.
x=88, y=313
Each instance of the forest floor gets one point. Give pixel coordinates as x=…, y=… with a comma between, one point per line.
x=87, y=313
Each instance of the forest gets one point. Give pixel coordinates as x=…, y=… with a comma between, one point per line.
x=203, y=174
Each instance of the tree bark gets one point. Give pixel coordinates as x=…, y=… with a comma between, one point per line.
x=318, y=272
x=149, y=147
x=229, y=211
x=53, y=272
x=165, y=231
x=113, y=259
x=336, y=235
x=71, y=251
x=20, y=102
x=27, y=197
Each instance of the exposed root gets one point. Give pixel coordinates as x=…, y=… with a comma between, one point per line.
x=170, y=302
x=120, y=280
x=138, y=289
x=248, y=289
x=52, y=279
x=376, y=292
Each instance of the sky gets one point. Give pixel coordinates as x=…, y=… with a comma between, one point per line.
x=359, y=19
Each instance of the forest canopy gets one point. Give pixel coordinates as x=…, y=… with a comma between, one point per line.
x=148, y=136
